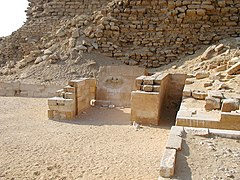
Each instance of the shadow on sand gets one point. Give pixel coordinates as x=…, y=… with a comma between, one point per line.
x=98, y=116
x=183, y=171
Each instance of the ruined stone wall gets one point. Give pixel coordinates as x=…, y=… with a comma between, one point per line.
x=43, y=18
x=140, y=32
x=156, y=32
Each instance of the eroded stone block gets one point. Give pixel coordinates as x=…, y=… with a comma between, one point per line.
x=229, y=105
x=212, y=103
x=174, y=142
x=167, y=166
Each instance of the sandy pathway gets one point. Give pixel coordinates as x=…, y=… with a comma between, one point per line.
x=101, y=146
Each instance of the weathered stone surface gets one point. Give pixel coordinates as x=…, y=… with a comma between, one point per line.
x=167, y=166
x=177, y=130
x=208, y=53
x=147, y=88
x=148, y=80
x=212, y=103
x=234, y=69
x=202, y=75
x=200, y=95
x=187, y=92
x=197, y=131
x=174, y=142
x=156, y=88
x=229, y=105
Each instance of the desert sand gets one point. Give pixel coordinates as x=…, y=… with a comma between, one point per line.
x=100, y=145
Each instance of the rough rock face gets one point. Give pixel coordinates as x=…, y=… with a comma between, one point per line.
x=138, y=32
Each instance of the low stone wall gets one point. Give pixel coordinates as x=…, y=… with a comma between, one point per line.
x=72, y=100
x=147, y=102
x=154, y=93
x=27, y=90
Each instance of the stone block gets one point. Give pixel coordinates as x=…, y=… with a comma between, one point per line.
x=69, y=95
x=225, y=133
x=229, y=105
x=147, y=88
x=69, y=89
x=167, y=166
x=139, y=80
x=208, y=53
x=148, y=80
x=50, y=114
x=187, y=92
x=212, y=103
x=202, y=75
x=197, y=131
x=145, y=107
x=75, y=83
x=156, y=88
x=200, y=95
x=234, y=69
x=174, y=142
x=177, y=130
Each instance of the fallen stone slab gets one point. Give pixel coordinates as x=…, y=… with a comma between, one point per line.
x=177, y=130
x=174, y=142
x=208, y=53
x=197, y=131
x=225, y=133
x=232, y=70
x=202, y=75
x=167, y=166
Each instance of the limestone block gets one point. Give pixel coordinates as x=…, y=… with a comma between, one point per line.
x=187, y=92
x=160, y=78
x=208, y=53
x=148, y=80
x=229, y=105
x=221, y=68
x=69, y=89
x=225, y=133
x=212, y=103
x=232, y=70
x=145, y=107
x=167, y=166
x=148, y=88
x=139, y=80
x=202, y=75
x=197, y=131
x=200, y=95
x=76, y=83
x=50, y=114
x=174, y=142
x=177, y=130
x=156, y=88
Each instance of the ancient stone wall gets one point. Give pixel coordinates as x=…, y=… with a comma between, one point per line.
x=156, y=32
x=139, y=32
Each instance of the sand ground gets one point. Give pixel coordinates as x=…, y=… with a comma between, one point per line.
x=102, y=145
x=208, y=158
